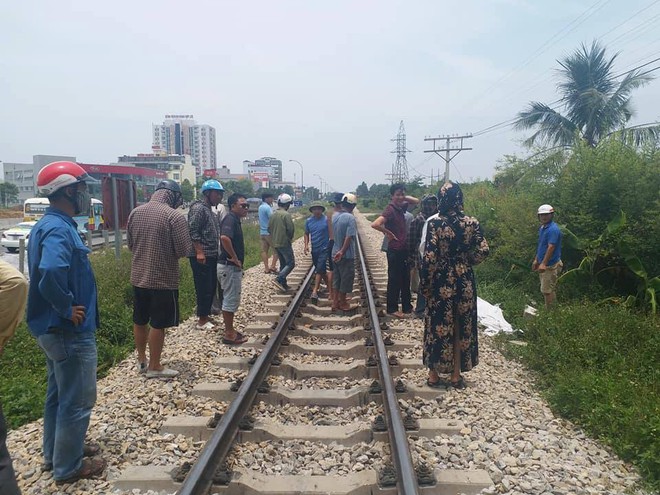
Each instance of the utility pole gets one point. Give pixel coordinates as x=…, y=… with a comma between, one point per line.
x=400, y=167
x=447, y=149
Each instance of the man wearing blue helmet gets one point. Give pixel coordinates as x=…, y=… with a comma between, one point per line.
x=204, y=233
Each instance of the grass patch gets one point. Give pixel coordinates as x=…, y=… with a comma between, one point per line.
x=597, y=365
x=23, y=385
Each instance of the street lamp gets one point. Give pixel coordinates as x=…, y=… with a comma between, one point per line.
x=302, y=177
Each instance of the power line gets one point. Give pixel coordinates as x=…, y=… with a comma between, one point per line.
x=629, y=18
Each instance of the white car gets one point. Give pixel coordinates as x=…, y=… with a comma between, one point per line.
x=11, y=237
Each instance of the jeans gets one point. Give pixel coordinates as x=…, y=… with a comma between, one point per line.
x=71, y=362
x=8, y=485
x=204, y=276
x=398, y=281
x=287, y=263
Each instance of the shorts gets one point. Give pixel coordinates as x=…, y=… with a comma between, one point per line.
x=331, y=263
x=320, y=261
x=266, y=243
x=231, y=280
x=157, y=307
x=344, y=275
x=549, y=278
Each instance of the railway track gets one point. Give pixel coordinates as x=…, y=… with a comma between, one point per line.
x=359, y=342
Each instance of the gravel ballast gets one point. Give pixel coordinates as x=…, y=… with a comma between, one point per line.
x=509, y=430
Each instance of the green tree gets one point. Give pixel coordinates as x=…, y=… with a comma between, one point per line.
x=312, y=193
x=595, y=104
x=242, y=186
x=8, y=194
x=187, y=191
x=362, y=190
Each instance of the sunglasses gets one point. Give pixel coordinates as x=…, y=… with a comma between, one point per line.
x=244, y=206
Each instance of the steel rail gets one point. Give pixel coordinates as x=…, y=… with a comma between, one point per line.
x=200, y=477
x=406, y=476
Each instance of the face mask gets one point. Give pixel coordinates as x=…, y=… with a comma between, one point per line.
x=83, y=201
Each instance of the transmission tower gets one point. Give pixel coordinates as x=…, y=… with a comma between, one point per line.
x=400, y=167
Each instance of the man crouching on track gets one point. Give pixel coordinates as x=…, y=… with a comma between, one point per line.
x=158, y=236
x=343, y=253
x=63, y=315
x=230, y=265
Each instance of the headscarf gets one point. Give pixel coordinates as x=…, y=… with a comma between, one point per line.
x=166, y=196
x=450, y=200
x=429, y=205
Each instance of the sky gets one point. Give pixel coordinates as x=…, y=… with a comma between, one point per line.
x=324, y=83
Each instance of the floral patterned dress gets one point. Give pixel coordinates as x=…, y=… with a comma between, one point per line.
x=454, y=243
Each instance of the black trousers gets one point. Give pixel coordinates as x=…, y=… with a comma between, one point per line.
x=8, y=485
x=398, y=281
x=206, y=281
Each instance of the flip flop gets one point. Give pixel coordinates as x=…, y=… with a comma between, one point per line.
x=89, y=469
x=459, y=385
x=238, y=340
x=437, y=384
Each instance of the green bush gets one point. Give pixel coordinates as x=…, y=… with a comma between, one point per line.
x=598, y=366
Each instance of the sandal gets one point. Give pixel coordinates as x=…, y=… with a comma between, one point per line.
x=459, y=385
x=89, y=469
x=238, y=340
x=437, y=384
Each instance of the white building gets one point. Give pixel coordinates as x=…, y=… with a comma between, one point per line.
x=181, y=135
x=24, y=175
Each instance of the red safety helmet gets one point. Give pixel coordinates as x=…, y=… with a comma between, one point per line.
x=57, y=175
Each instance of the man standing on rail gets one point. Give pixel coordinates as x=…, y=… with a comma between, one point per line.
x=63, y=315
x=13, y=294
x=392, y=223
x=281, y=229
x=204, y=232
x=230, y=265
x=343, y=253
x=336, y=208
x=316, y=228
x=548, y=254
x=265, y=212
x=158, y=236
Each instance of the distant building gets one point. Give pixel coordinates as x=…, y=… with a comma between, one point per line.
x=181, y=135
x=274, y=164
x=24, y=175
x=223, y=174
x=177, y=167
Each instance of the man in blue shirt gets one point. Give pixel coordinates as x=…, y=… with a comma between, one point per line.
x=316, y=227
x=548, y=254
x=343, y=253
x=265, y=212
x=63, y=316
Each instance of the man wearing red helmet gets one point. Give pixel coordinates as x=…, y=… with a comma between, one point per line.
x=63, y=316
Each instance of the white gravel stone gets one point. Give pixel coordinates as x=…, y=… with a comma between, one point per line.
x=509, y=430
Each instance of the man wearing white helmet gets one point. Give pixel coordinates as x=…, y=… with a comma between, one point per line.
x=548, y=254
x=280, y=227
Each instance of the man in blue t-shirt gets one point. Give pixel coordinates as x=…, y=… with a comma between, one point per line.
x=265, y=212
x=316, y=228
x=548, y=254
x=343, y=253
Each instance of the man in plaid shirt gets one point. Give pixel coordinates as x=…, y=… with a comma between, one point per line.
x=429, y=207
x=158, y=236
x=205, y=234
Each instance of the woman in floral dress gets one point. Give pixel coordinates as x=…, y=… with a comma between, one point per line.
x=453, y=244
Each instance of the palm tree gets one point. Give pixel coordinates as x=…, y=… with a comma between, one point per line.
x=596, y=105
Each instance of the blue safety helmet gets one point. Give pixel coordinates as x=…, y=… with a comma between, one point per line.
x=212, y=185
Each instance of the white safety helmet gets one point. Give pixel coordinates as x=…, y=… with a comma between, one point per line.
x=284, y=199
x=349, y=199
x=544, y=209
